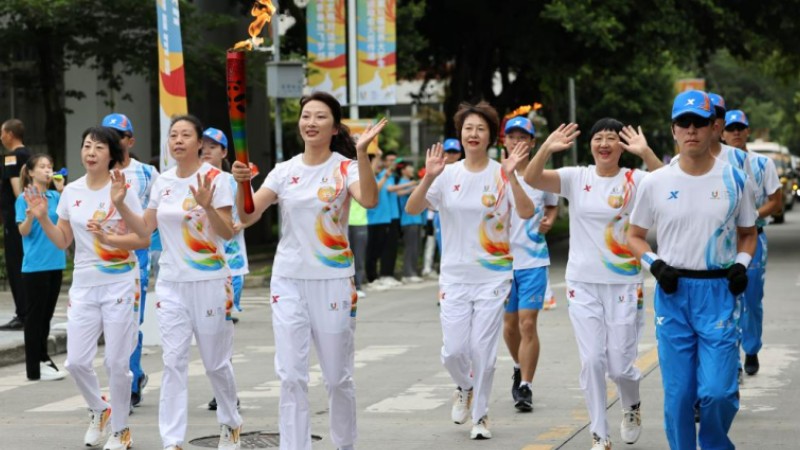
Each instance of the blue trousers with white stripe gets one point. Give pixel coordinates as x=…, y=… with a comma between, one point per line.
x=753, y=312
x=697, y=334
x=143, y=256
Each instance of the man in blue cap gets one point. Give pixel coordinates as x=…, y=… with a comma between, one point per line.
x=768, y=201
x=529, y=285
x=140, y=178
x=704, y=217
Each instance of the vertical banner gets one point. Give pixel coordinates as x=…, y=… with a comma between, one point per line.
x=377, y=52
x=327, y=66
x=357, y=127
x=171, y=81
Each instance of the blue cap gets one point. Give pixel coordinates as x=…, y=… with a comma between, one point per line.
x=119, y=122
x=217, y=136
x=692, y=102
x=452, y=145
x=736, y=116
x=520, y=123
x=718, y=102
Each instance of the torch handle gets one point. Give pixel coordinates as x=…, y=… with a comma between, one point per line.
x=237, y=110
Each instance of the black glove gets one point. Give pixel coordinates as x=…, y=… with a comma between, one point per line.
x=666, y=275
x=737, y=278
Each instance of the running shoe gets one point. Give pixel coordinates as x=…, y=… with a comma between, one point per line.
x=600, y=444
x=120, y=440
x=462, y=403
x=524, y=399
x=550, y=304
x=631, y=426
x=229, y=438
x=480, y=430
x=98, y=427
x=49, y=372
x=136, y=397
x=517, y=379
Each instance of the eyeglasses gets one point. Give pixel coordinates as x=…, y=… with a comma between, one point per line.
x=736, y=127
x=688, y=120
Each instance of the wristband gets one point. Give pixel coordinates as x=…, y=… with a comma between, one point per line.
x=648, y=259
x=744, y=259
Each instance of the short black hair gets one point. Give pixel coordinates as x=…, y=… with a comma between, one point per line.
x=109, y=137
x=606, y=124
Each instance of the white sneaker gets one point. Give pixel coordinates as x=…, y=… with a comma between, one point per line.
x=376, y=285
x=414, y=279
x=120, y=440
x=98, y=427
x=600, y=444
x=229, y=438
x=361, y=294
x=173, y=447
x=430, y=275
x=631, y=426
x=49, y=372
x=480, y=430
x=462, y=403
x=390, y=282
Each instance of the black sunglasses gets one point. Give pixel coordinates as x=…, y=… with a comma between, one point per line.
x=736, y=127
x=688, y=120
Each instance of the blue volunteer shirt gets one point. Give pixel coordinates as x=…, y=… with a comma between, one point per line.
x=406, y=218
x=39, y=253
x=382, y=212
x=394, y=201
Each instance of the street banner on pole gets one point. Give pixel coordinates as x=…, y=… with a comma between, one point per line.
x=377, y=52
x=171, y=80
x=358, y=126
x=327, y=62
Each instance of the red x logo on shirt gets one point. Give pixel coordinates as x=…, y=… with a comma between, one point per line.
x=587, y=188
x=275, y=298
x=456, y=187
x=295, y=180
x=572, y=293
x=77, y=203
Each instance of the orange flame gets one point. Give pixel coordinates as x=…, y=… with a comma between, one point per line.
x=263, y=11
x=523, y=110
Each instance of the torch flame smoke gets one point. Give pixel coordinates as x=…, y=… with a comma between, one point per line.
x=262, y=11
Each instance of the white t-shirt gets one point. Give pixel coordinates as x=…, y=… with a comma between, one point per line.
x=474, y=210
x=765, y=178
x=97, y=264
x=528, y=246
x=695, y=216
x=598, y=222
x=192, y=251
x=314, y=204
x=140, y=178
x=235, y=249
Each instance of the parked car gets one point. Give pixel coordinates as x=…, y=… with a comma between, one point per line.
x=786, y=172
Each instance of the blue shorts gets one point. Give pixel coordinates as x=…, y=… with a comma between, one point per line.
x=528, y=289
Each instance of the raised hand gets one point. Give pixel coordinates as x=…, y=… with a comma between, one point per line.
x=204, y=192
x=119, y=187
x=519, y=153
x=434, y=160
x=37, y=203
x=369, y=134
x=636, y=142
x=240, y=172
x=561, y=138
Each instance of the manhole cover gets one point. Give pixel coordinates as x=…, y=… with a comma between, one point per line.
x=253, y=439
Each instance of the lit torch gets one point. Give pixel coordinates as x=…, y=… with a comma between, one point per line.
x=237, y=88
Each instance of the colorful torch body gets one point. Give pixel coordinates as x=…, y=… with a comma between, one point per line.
x=237, y=110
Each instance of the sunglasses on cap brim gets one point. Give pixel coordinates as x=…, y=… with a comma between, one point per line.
x=687, y=120
x=736, y=127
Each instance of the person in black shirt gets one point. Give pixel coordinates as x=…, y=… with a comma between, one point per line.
x=12, y=133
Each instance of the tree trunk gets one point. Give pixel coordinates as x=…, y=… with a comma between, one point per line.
x=50, y=67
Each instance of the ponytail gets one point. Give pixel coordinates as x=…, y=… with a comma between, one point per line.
x=24, y=177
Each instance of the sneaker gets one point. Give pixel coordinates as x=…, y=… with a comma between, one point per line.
x=550, y=304
x=414, y=279
x=136, y=397
x=361, y=294
x=462, y=403
x=390, y=282
x=212, y=405
x=697, y=412
x=120, y=440
x=376, y=285
x=480, y=430
x=600, y=444
x=173, y=447
x=49, y=372
x=229, y=438
x=98, y=427
x=517, y=377
x=631, y=426
x=751, y=365
x=524, y=399
x=15, y=324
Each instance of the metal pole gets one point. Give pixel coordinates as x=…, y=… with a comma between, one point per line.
x=572, y=118
x=276, y=55
x=352, y=59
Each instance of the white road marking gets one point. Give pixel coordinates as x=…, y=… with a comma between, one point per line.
x=771, y=379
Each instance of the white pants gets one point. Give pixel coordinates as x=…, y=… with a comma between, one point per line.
x=110, y=310
x=322, y=311
x=607, y=322
x=472, y=318
x=198, y=308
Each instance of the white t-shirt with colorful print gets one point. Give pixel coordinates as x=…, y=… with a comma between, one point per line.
x=97, y=264
x=140, y=178
x=528, y=245
x=192, y=251
x=235, y=249
x=474, y=211
x=599, y=209
x=314, y=204
x=696, y=216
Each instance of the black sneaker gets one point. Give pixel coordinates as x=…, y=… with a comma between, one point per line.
x=136, y=397
x=739, y=378
x=517, y=377
x=697, y=412
x=524, y=399
x=751, y=365
x=212, y=405
x=15, y=324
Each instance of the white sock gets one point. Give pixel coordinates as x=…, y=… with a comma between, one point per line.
x=516, y=365
x=525, y=383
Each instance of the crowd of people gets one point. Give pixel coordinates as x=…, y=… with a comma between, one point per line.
x=344, y=212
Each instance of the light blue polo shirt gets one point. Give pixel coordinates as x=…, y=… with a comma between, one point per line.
x=406, y=218
x=382, y=212
x=39, y=253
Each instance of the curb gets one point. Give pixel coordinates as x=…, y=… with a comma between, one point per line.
x=14, y=353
